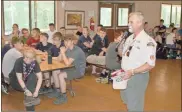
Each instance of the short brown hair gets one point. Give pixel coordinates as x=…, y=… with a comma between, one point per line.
x=24, y=29
x=37, y=30
x=116, y=35
x=162, y=20
x=16, y=25
x=51, y=24
x=70, y=37
x=16, y=40
x=45, y=35
x=58, y=35
x=103, y=29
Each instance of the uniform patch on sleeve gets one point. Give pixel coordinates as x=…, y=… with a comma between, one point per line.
x=152, y=57
x=150, y=44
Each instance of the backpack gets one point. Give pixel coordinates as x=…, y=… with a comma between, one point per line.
x=161, y=52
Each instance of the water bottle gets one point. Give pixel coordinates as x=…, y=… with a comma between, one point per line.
x=49, y=58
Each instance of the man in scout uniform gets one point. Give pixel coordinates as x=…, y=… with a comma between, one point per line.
x=138, y=57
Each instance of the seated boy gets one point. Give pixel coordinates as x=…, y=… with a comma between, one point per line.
x=25, y=34
x=97, y=35
x=57, y=43
x=111, y=60
x=5, y=49
x=70, y=55
x=170, y=39
x=34, y=40
x=62, y=31
x=24, y=77
x=99, y=47
x=55, y=51
x=51, y=32
x=178, y=44
x=79, y=30
x=11, y=56
x=44, y=46
x=84, y=41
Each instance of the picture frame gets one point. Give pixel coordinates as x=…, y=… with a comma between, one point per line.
x=74, y=17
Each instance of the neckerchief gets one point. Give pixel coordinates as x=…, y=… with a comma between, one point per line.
x=27, y=70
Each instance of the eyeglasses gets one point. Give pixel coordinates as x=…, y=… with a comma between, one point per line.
x=129, y=50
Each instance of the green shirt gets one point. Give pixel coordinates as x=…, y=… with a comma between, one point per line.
x=79, y=61
x=24, y=39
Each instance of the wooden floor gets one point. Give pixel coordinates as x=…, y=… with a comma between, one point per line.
x=163, y=93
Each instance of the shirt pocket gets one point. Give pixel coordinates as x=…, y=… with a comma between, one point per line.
x=136, y=50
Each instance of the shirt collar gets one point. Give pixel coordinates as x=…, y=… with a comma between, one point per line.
x=140, y=35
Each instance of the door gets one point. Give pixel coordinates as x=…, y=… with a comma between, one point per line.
x=114, y=17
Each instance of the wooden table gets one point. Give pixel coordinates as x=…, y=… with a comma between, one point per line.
x=45, y=67
x=56, y=65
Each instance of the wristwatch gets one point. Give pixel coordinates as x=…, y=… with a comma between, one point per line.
x=25, y=89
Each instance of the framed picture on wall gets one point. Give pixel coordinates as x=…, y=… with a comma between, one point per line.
x=73, y=18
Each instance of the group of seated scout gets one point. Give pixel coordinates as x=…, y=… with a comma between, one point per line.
x=94, y=46
x=96, y=50
x=20, y=67
x=112, y=59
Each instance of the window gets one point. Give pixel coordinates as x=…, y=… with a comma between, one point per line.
x=123, y=16
x=176, y=15
x=114, y=15
x=42, y=13
x=106, y=16
x=171, y=14
x=16, y=12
